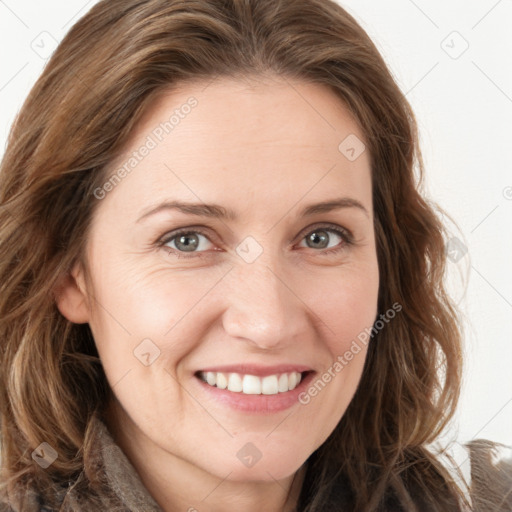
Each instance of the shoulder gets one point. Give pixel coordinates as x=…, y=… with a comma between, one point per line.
x=31, y=503
x=482, y=469
x=116, y=485
x=491, y=475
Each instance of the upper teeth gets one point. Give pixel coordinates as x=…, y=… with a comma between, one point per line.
x=251, y=384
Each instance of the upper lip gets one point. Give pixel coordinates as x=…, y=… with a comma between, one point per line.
x=258, y=370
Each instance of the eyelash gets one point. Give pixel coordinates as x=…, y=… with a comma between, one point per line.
x=343, y=233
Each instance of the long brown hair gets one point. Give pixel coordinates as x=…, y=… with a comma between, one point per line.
x=76, y=120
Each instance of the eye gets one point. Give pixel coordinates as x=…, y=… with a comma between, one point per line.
x=319, y=238
x=184, y=241
x=188, y=243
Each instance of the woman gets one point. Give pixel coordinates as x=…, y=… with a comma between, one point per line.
x=172, y=338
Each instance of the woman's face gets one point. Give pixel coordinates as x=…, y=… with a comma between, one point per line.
x=270, y=290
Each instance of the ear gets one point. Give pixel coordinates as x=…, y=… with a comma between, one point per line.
x=71, y=296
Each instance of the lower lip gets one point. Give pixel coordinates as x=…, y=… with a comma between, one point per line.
x=260, y=404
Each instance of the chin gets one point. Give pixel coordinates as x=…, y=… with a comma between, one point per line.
x=269, y=470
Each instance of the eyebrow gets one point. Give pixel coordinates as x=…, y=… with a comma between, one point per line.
x=217, y=211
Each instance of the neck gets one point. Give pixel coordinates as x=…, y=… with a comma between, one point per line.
x=177, y=484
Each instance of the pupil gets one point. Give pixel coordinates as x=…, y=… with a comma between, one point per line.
x=315, y=237
x=188, y=246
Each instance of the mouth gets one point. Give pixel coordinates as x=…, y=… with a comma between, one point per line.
x=249, y=384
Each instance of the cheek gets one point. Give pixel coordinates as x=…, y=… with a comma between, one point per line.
x=347, y=305
x=132, y=307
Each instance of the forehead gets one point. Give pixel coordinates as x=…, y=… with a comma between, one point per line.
x=301, y=114
x=245, y=141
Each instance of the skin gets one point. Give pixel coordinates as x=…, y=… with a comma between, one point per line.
x=264, y=148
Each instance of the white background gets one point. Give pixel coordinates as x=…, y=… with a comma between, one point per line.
x=463, y=103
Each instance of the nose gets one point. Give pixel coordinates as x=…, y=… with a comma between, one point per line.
x=263, y=307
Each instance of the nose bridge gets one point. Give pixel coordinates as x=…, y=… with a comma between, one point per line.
x=261, y=306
